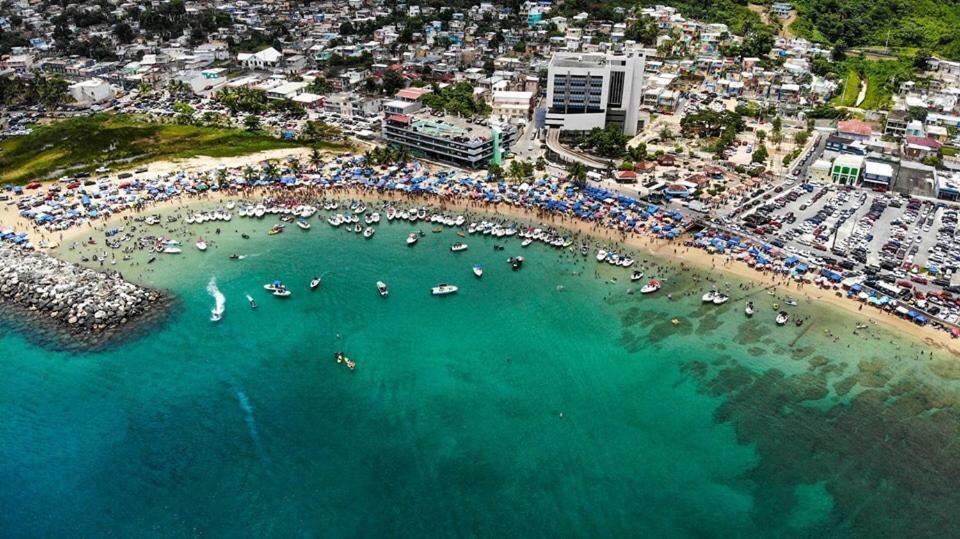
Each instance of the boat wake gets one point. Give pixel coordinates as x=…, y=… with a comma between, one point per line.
x=251, y=422
x=220, y=301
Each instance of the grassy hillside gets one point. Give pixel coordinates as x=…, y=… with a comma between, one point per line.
x=928, y=24
x=85, y=143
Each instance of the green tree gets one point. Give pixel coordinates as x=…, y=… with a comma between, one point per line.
x=760, y=155
x=252, y=122
x=577, y=174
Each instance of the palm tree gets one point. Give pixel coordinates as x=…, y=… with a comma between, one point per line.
x=295, y=166
x=249, y=174
x=577, y=174
x=221, y=178
x=315, y=159
x=270, y=171
x=368, y=158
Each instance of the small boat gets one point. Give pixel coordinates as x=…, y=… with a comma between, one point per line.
x=412, y=238
x=314, y=283
x=748, y=310
x=652, y=286
x=303, y=224
x=275, y=229
x=369, y=232
x=720, y=299
x=601, y=255
x=281, y=293
x=861, y=326
x=636, y=275
x=336, y=220
x=526, y=242
x=675, y=322
x=709, y=296
x=461, y=234
x=478, y=270
x=245, y=236
x=275, y=285
x=172, y=250
x=782, y=317
x=382, y=289
x=515, y=262
x=799, y=322
x=201, y=245
x=457, y=247
x=358, y=229
x=253, y=304
x=152, y=260
x=791, y=302
x=443, y=289
x=342, y=359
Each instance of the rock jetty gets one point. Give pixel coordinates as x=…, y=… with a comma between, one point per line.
x=69, y=306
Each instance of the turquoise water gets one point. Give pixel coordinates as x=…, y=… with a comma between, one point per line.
x=544, y=402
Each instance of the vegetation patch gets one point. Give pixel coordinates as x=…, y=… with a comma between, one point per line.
x=85, y=143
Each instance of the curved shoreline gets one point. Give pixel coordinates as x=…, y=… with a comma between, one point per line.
x=668, y=250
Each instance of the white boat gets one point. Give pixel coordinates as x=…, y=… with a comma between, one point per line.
x=369, y=232
x=314, y=283
x=709, y=296
x=443, y=289
x=281, y=293
x=782, y=318
x=275, y=285
x=791, y=302
x=601, y=254
x=459, y=220
x=526, y=242
x=457, y=247
x=303, y=224
x=748, y=310
x=201, y=245
x=231, y=205
x=412, y=238
x=626, y=261
x=391, y=213
x=172, y=250
x=382, y=289
x=336, y=220
x=652, y=286
x=216, y=315
x=720, y=299
x=472, y=229
x=636, y=276
x=478, y=270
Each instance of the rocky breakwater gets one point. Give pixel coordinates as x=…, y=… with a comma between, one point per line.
x=66, y=306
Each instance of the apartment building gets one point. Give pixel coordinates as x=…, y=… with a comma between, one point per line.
x=449, y=139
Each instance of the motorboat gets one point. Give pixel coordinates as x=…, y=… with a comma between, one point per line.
x=369, y=232
x=443, y=289
x=709, y=296
x=526, y=242
x=636, y=275
x=382, y=289
x=652, y=286
x=314, y=283
x=358, y=229
x=281, y=293
x=748, y=310
x=235, y=256
x=201, y=245
x=245, y=236
x=172, y=250
x=457, y=247
x=412, y=238
x=626, y=261
x=336, y=220
x=275, y=285
x=601, y=255
x=791, y=302
x=303, y=224
x=478, y=270
x=720, y=298
x=516, y=262
x=275, y=229
x=253, y=304
x=782, y=318
x=391, y=213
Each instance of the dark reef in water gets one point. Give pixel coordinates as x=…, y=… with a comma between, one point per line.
x=888, y=455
